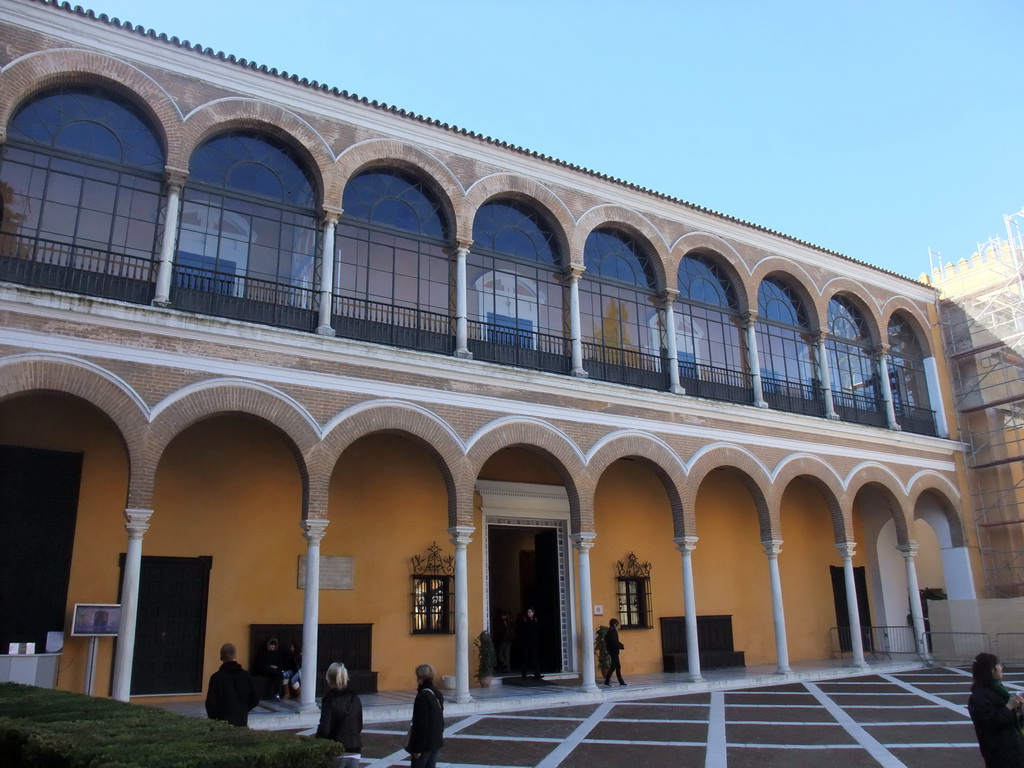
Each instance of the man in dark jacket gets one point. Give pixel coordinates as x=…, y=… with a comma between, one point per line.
x=611, y=641
x=426, y=736
x=232, y=692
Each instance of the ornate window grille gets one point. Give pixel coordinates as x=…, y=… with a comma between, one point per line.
x=433, y=577
x=634, y=593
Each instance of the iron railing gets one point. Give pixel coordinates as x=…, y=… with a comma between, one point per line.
x=920, y=421
x=793, y=396
x=878, y=642
x=716, y=383
x=495, y=343
x=624, y=366
x=859, y=409
x=394, y=325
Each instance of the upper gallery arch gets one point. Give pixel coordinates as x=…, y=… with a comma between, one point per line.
x=525, y=192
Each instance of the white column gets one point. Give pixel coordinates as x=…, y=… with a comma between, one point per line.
x=749, y=321
x=165, y=267
x=883, y=375
x=326, y=286
x=313, y=531
x=909, y=551
x=821, y=347
x=686, y=545
x=461, y=305
x=671, y=349
x=773, y=549
x=846, y=550
x=583, y=542
x=576, y=323
x=461, y=538
x=136, y=523
x=931, y=375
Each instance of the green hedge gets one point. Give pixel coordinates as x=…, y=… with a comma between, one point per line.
x=54, y=729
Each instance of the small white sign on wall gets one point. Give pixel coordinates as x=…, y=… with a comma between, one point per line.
x=335, y=572
x=599, y=610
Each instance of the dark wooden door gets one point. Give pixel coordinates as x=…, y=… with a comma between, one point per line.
x=548, y=603
x=842, y=606
x=38, y=509
x=170, y=631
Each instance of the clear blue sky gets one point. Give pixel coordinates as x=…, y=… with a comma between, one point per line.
x=876, y=128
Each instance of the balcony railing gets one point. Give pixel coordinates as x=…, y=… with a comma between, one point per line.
x=394, y=325
x=859, y=409
x=793, y=396
x=74, y=268
x=716, y=383
x=878, y=642
x=920, y=421
x=495, y=343
x=239, y=297
x=624, y=366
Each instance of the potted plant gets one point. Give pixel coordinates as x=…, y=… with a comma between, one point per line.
x=487, y=658
x=604, y=659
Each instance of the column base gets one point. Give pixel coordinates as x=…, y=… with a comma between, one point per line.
x=860, y=665
x=325, y=330
x=761, y=404
x=592, y=688
x=677, y=390
x=784, y=671
x=463, y=697
x=696, y=679
x=161, y=303
x=305, y=708
x=833, y=417
x=463, y=354
x=579, y=373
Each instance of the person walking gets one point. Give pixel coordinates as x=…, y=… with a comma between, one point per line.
x=232, y=692
x=611, y=641
x=996, y=714
x=426, y=736
x=341, y=717
x=529, y=637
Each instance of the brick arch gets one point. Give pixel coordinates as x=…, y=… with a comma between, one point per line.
x=548, y=442
x=410, y=421
x=899, y=305
x=947, y=498
x=39, y=372
x=662, y=460
x=856, y=293
x=635, y=225
x=751, y=472
x=796, y=278
x=240, y=113
x=722, y=254
x=45, y=69
x=888, y=485
x=821, y=476
x=391, y=153
x=511, y=186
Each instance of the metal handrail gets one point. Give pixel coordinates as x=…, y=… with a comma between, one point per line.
x=878, y=642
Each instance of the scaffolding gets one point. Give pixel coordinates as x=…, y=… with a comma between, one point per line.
x=981, y=312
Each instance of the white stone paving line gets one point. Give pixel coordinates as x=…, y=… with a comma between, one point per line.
x=401, y=755
x=884, y=757
x=715, y=753
x=559, y=753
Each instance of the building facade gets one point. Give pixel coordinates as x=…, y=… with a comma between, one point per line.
x=277, y=358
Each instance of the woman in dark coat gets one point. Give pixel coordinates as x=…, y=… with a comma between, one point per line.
x=995, y=713
x=341, y=716
x=426, y=736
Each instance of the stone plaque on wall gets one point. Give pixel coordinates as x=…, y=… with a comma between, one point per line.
x=335, y=572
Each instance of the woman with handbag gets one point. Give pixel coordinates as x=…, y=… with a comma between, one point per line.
x=426, y=735
x=341, y=717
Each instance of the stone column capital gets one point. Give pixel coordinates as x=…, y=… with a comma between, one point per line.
x=314, y=529
x=846, y=548
x=820, y=336
x=882, y=350
x=137, y=522
x=686, y=543
x=574, y=272
x=175, y=178
x=772, y=547
x=583, y=540
x=749, y=317
x=330, y=215
x=908, y=550
x=462, y=535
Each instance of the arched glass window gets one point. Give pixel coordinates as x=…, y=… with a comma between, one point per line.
x=786, y=351
x=907, y=378
x=249, y=224
x=514, y=289
x=81, y=174
x=393, y=280
x=709, y=333
x=856, y=393
x=621, y=324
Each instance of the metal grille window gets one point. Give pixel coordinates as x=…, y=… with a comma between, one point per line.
x=433, y=577
x=634, y=593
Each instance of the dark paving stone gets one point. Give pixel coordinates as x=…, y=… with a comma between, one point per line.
x=647, y=755
x=650, y=731
x=784, y=688
x=378, y=745
x=507, y=726
x=947, y=757
x=847, y=687
x=493, y=752
x=753, y=757
x=580, y=713
x=661, y=712
x=779, y=714
x=739, y=698
x=902, y=714
x=690, y=698
x=947, y=733
x=873, y=700
x=776, y=733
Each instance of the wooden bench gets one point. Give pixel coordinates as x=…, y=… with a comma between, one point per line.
x=351, y=644
x=714, y=637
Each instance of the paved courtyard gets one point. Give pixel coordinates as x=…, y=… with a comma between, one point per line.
x=914, y=718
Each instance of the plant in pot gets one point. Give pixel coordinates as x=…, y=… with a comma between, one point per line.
x=604, y=659
x=487, y=658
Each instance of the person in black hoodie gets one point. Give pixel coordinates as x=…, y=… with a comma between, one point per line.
x=611, y=641
x=232, y=692
x=995, y=713
x=426, y=736
x=341, y=716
